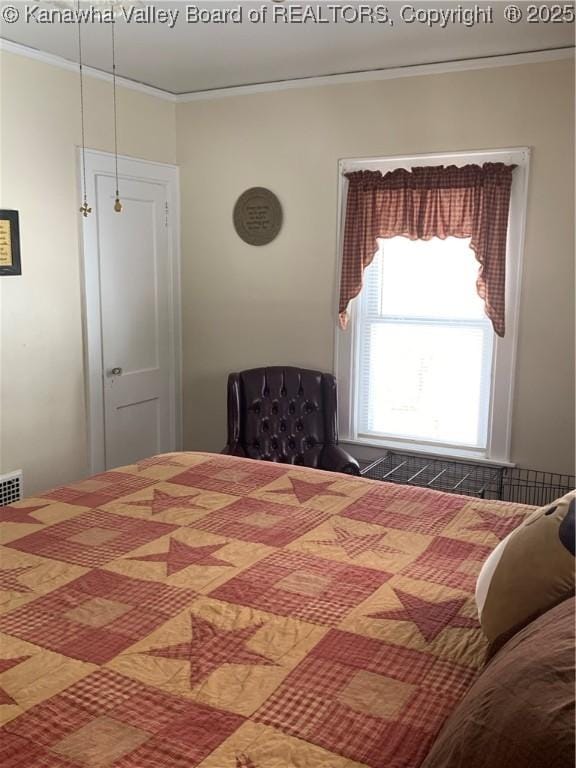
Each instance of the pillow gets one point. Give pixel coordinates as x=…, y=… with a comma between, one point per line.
x=519, y=713
x=530, y=571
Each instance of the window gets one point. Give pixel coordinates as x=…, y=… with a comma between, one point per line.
x=425, y=363
x=419, y=365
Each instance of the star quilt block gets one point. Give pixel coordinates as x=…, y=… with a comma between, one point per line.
x=351, y=541
x=307, y=489
x=189, y=558
x=207, y=611
x=215, y=652
x=477, y=524
x=425, y=617
x=171, y=504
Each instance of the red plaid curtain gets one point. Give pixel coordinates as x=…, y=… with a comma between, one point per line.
x=471, y=201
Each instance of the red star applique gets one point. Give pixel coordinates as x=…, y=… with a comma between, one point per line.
x=496, y=524
x=355, y=545
x=12, y=514
x=5, y=697
x=5, y=665
x=160, y=502
x=211, y=647
x=180, y=556
x=305, y=491
x=430, y=617
x=9, y=579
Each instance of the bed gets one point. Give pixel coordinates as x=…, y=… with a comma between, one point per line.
x=206, y=610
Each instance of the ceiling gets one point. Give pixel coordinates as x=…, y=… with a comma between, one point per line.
x=192, y=57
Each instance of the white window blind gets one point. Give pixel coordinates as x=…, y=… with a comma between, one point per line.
x=425, y=346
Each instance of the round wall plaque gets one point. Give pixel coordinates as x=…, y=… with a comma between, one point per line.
x=257, y=216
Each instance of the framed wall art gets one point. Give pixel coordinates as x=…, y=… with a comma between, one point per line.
x=9, y=243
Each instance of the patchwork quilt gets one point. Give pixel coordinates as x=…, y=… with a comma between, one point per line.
x=205, y=610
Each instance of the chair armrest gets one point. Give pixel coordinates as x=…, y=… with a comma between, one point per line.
x=336, y=459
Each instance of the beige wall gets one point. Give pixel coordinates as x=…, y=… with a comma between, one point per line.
x=245, y=306
x=43, y=428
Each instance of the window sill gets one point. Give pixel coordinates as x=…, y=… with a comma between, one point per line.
x=426, y=450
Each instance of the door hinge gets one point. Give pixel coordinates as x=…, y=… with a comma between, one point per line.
x=166, y=213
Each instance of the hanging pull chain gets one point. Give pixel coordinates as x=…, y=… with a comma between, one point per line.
x=84, y=209
x=117, y=203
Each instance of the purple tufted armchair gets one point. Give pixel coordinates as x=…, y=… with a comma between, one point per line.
x=287, y=415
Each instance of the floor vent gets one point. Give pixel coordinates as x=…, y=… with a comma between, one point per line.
x=10, y=488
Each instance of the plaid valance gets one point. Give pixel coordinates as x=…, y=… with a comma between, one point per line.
x=434, y=201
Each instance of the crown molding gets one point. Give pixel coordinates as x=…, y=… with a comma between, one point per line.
x=72, y=66
x=392, y=73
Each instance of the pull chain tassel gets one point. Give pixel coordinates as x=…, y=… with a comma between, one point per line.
x=117, y=203
x=85, y=208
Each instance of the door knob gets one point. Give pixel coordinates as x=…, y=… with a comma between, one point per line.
x=115, y=372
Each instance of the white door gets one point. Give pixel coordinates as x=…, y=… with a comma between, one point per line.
x=129, y=258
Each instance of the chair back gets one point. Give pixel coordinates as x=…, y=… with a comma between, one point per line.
x=282, y=414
